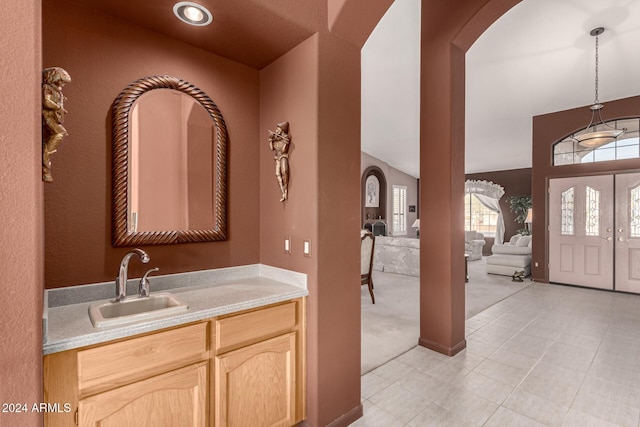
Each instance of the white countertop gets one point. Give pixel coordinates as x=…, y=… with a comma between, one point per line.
x=209, y=293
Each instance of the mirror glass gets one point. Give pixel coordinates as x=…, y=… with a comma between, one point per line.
x=171, y=178
x=169, y=165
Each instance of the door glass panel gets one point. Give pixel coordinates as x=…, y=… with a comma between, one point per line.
x=567, y=212
x=634, y=210
x=592, y=214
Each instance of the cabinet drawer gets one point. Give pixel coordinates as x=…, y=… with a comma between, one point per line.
x=247, y=328
x=113, y=365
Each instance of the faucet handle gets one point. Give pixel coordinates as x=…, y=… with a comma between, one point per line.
x=143, y=288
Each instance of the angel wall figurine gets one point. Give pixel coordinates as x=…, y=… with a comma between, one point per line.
x=279, y=142
x=53, y=79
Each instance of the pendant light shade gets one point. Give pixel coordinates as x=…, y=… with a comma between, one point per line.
x=597, y=133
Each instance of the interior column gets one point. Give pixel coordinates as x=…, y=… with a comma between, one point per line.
x=442, y=285
x=448, y=30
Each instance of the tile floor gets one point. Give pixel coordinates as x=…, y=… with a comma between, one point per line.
x=548, y=355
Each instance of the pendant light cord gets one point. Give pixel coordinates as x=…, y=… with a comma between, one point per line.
x=597, y=101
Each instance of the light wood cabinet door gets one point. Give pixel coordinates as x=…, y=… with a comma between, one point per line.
x=175, y=399
x=256, y=385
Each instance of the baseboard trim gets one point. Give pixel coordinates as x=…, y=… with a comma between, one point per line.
x=449, y=351
x=347, y=418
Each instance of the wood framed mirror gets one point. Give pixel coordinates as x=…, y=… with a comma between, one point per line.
x=169, y=164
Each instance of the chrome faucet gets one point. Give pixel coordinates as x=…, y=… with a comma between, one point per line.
x=121, y=280
x=143, y=287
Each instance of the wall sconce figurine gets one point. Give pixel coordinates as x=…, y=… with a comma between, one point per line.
x=53, y=79
x=279, y=142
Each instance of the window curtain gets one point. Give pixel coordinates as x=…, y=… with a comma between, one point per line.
x=494, y=206
x=489, y=194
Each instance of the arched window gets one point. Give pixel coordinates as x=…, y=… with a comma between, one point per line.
x=569, y=152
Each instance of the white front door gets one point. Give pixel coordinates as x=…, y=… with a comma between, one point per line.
x=581, y=231
x=627, y=232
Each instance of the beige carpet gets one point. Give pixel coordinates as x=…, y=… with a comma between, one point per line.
x=391, y=326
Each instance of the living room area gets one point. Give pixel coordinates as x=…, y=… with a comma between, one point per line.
x=391, y=325
x=536, y=353
x=520, y=121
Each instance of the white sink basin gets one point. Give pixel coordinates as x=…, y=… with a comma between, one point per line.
x=135, y=309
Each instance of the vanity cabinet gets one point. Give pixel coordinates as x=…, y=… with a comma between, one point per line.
x=240, y=369
x=177, y=398
x=256, y=359
x=264, y=375
x=160, y=377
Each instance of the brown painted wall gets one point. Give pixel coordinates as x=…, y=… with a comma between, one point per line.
x=289, y=92
x=300, y=89
x=21, y=232
x=548, y=129
x=516, y=182
x=103, y=55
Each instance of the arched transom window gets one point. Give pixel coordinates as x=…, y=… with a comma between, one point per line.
x=569, y=152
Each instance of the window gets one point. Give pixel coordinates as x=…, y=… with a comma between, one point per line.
x=567, y=209
x=478, y=217
x=592, y=212
x=399, y=210
x=569, y=152
x=634, y=206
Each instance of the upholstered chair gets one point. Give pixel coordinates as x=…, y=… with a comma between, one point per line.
x=512, y=256
x=473, y=244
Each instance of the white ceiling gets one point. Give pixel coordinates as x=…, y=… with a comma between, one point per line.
x=537, y=58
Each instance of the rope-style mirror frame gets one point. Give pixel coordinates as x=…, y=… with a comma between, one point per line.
x=121, y=110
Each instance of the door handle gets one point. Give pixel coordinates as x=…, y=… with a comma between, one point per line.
x=608, y=239
x=622, y=239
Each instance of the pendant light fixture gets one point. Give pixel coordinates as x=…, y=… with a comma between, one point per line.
x=597, y=133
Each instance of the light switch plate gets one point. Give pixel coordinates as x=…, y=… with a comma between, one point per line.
x=306, y=247
x=287, y=245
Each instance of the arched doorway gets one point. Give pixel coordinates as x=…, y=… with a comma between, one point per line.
x=448, y=30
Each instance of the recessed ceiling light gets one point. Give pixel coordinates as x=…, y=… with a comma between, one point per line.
x=192, y=13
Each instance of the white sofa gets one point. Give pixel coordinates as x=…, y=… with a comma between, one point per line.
x=397, y=255
x=507, y=258
x=473, y=244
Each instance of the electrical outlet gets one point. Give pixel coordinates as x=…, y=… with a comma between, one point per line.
x=535, y=264
x=287, y=245
x=306, y=247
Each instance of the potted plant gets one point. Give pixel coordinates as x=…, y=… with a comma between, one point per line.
x=520, y=205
